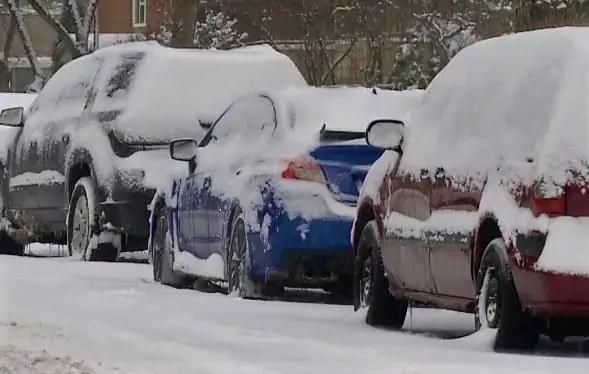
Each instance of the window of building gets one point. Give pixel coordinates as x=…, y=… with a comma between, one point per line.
x=139, y=13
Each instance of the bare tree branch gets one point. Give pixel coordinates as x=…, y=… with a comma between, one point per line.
x=26, y=41
x=339, y=60
x=57, y=27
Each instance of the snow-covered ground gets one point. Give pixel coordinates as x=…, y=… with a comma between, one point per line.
x=58, y=315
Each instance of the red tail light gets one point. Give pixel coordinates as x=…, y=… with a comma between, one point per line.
x=549, y=199
x=306, y=169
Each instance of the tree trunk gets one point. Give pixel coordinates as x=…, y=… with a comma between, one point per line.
x=26, y=42
x=57, y=27
x=185, y=12
x=4, y=68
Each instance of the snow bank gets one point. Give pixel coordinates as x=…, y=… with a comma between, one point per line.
x=20, y=362
x=174, y=89
x=12, y=100
x=504, y=101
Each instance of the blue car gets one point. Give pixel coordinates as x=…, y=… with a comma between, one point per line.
x=270, y=195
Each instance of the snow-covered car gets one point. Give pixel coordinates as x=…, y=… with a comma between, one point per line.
x=481, y=203
x=93, y=146
x=271, y=192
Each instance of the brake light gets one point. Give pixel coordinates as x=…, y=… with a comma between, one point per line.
x=306, y=169
x=549, y=199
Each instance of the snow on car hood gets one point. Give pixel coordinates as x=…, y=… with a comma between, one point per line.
x=174, y=89
x=505, y=101
x=7, y=134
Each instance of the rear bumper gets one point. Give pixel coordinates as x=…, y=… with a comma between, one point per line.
x=552, y=295
x=543, y=290
x=305, y=253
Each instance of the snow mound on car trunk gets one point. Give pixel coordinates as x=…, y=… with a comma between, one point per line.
x=507, y=102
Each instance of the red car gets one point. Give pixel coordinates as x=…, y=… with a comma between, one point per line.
x=481, y=202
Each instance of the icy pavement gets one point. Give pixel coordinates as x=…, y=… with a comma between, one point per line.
x=79, y=317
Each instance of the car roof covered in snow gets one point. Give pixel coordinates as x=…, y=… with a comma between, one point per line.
x=511, y=99
x=174, y=89
x=348, y=109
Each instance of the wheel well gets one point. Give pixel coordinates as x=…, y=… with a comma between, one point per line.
x=365, y=215
x=77, y=172
x=488, y=231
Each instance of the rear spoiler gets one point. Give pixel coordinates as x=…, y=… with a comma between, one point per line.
x=327, y=136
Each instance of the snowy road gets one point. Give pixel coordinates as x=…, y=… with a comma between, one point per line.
x=64, y=316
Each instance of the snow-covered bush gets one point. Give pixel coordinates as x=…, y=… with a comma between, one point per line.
x=217, y=31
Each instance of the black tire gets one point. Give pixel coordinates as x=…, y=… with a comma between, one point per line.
x=82, y=225
x=161, y=248
x=8, y=246
x=238, y=265
x=498, y=305
x=371, y=287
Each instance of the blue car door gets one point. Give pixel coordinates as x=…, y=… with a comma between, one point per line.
x=249, y=120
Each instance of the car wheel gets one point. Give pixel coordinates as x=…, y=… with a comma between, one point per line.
x=9, y=246
x=372, y=286
x=162, y=257
x=498, y=306
x=82, y=237
x=80, y=218
x=238, y=261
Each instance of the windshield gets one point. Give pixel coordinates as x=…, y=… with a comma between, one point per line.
x=247, y=120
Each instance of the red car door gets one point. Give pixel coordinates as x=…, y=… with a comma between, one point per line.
x=406, y=256
x=450, y=251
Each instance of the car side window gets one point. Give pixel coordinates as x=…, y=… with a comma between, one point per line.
x=123, y=74
x=249, y=119
x=67, y=91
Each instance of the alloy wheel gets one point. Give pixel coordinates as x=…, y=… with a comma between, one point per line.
x=366, y=282
x=80, y=227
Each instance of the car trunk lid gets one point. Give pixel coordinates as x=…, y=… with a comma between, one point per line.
x=345, y=165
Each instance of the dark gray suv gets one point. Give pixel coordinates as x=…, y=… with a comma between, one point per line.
x=90, y=152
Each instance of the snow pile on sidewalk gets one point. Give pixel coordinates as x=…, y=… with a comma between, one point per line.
x=13, y=361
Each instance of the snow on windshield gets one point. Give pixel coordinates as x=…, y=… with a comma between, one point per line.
x=507, y=101
x=172, y=90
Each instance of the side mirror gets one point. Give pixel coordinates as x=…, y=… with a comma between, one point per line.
x=12, y=117
x=183, y=150
x=386, y=134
